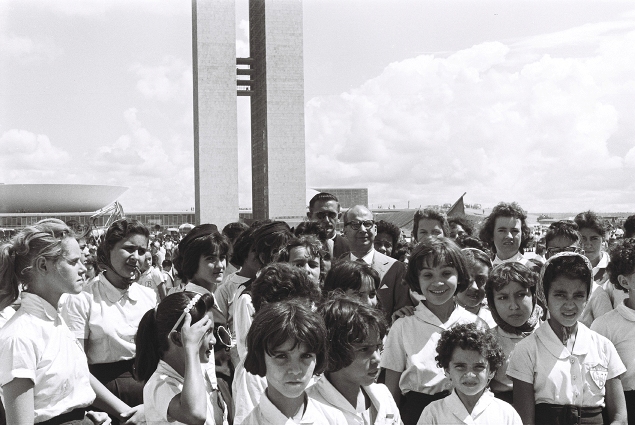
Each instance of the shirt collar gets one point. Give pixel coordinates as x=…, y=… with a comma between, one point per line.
x=38, y=307
x=333, y=396
x=114, y=294
x=604, y=261
x=165, y=369
x=551, y=341
x=506, y=334
x=368, y=258
x=514, y=259
x=424, y=314
x=625, y=312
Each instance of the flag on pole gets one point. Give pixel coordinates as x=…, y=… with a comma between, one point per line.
x=458, y=209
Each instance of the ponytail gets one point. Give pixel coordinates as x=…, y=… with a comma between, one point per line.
x=154, y=329
x=148, y=347
x=8, y=280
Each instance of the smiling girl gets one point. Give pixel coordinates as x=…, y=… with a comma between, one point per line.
x=105, y=316
x=437, y=270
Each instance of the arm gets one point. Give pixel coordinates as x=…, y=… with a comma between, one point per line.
x=162, y=290
x=191, y=405
x=109, y=403
x=19, y=401
x=615, y=402
x=524, y=401
x=392, y=382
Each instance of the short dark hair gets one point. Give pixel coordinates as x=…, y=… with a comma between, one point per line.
x=564, y=229
x=629, y=226
x=463, y=222
x=437, y=252
x=472, y=242
x=402, y=248
x=349, y=321
x=590, y=220
x=469, y=336
x=191, y=249
x=430, y=214
x=622, y=262
x=166, y=264
x=280, y=281
x=323, y=197
x=573, y=267
x=279, y=322
x=242, y=246
x=346, y=274
x=233, y=230
x=390, y=228
x=503, y=274
x=505, y=209
x=118, y=231
x=269, y=239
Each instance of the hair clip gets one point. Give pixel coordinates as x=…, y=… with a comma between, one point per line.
x=186, y=310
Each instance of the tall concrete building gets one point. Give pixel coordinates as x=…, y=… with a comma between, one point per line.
x=275, y=83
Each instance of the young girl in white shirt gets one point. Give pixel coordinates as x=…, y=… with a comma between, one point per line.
x=355, y=332
x=565, y=373
x=173, y=342
x=437, y=270
x=287, y=345
x=479, y=265
x=511, y=296
x=36, y=346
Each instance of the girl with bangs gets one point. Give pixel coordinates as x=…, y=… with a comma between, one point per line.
x=511, y=296
x=287, y=345
x=437, y=270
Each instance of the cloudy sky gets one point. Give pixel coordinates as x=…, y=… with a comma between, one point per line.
x=420, y=101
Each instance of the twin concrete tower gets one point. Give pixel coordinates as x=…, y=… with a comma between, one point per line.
x=273, y=77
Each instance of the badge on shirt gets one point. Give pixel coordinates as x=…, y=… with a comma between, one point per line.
x=599, y=374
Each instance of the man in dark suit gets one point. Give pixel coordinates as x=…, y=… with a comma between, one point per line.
x=360, y=230
x=325, y=209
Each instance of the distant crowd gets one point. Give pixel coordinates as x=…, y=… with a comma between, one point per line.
x=458, y=323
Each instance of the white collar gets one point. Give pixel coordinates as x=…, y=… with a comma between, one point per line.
x=457, y=407
x=548, y=337
x=115, y=294
x=38, y=307
x=513, y=259
x=368, y=258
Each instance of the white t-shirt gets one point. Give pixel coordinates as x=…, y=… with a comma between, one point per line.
x=247, y=389
x=383, y=409
x=411, y=347
x=598, y=304
x=107, y=318
x=487, y=411
x=152, y=278
x=164, y=384
x=37, y=345
x=315, y=413
x=560, y=376
x=619, y=327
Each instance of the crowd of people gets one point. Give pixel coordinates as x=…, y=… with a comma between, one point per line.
x=267, y=324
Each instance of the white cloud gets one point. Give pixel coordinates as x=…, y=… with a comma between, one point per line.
x=25, y=48
x=172, y=80
x=492, y=120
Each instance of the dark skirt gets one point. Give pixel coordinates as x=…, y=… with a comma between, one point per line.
x=630, y=406
x=557, y=414
x=413, y=403
x=118, y=377
x=507, y=396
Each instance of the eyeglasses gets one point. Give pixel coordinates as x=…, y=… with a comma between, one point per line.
x=186, y=310
x=553, y=251
x=356, y=224
x=332, y=215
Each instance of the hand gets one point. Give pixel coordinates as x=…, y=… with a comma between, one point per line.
x=99, y=418
x=404, y=311
x=191, y=336
x=134, y=416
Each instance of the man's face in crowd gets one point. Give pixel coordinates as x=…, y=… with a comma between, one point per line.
x=326, y=213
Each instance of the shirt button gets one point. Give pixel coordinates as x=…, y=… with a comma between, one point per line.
x=572, y=361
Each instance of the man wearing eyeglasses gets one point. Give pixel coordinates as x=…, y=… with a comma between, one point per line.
x=360, y=230
x=324, y=208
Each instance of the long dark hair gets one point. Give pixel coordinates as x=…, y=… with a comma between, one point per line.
x=151, y=339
